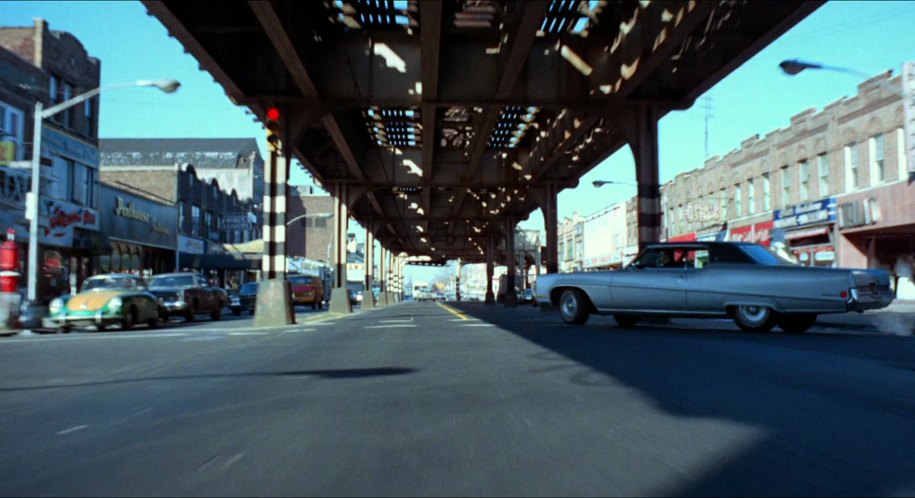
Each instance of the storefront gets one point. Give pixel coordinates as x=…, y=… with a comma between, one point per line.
x=808, y=232
x=758, y=232
x=877, y=227
x=142, y=234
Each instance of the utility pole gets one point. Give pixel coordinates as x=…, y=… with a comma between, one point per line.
x=707, y=107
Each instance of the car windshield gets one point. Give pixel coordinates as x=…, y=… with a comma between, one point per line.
x=107, y=283
x=765, y=255
x=172, y=281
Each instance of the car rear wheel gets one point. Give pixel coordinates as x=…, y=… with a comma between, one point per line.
x=190, y=314
x=217, y=313
x=796, y=323
x=130, y=319
x=573, y=307
x=753, y=318
x=154, y=321
x=625, y=320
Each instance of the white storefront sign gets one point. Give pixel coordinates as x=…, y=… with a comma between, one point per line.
x=190, y=245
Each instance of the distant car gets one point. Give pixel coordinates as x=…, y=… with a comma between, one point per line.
x=422, y=294
x=105, y=300
x=747, y=282
x=244, y=300
x=188, y=294
x=307, y=289
x=527, y=297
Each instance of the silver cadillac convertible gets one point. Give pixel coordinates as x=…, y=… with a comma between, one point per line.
x=747, y=282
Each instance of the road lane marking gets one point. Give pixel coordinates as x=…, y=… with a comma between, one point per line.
x=297, y=331
x=452, y=311
x=477, y=325
x=391, y=326
x=396, y=321
x=72, y=429
x=247, y=333
x=231, y=461
x=463, y=319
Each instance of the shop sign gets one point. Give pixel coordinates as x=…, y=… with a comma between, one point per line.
x=811, y=213
x=236, y=222
x=128, y=210
x=703, y=212
x=58, y=219
x=686, y=237
x=190, y=245
x=859, y=213
x=760, y=233
x=58, y=144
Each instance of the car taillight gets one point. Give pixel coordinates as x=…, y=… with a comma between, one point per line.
x=843, y=294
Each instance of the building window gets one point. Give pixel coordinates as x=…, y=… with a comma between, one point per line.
x=10, y=131
x=767, y=200
x=738, y=206
x=89, y=118
x=195, y=221
x=875, y=153
x=751, y=197
x=83, y=184
x=851, y=167
x=804, y=172
x=208, y=220
x=823, y=170
x=786, y=188
x=182, y=215
x=54, y=89
x=68, y=112
x=901, y=159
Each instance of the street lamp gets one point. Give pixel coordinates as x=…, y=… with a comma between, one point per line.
x=322, y=216
x=792, y=67
x=32, y=199
x=601, y=183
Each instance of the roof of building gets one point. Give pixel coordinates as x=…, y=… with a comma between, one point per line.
x=200, y=152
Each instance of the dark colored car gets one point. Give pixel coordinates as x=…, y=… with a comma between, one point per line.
x=244, y=300
x=188, y=294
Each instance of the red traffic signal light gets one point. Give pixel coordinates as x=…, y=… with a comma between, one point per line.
x=273, y=129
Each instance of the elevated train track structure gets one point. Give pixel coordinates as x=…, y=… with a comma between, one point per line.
x=440, y=124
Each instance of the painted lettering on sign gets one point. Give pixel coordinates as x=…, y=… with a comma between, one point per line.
x=127, y=210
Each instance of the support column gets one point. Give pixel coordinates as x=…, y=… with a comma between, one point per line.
x=510, y=299
x=339, y=295
x=551, y=224
x=274, y=294
x=368, y=297
x=490, y=270
x=382, y=276
x=457, y=282
x=645, y=149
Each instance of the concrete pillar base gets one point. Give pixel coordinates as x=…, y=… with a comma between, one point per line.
x=490, y=298
x=368, y=300
x=274, y=304
x=339, y=300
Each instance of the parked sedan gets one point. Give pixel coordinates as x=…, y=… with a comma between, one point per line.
x=244, y=300
x=744, y=281
x=106, y=300
x=188, y=294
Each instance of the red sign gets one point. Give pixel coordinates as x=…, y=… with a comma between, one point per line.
x=760, y=233
x=686, y=237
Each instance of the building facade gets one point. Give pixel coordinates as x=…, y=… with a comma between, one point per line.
x=40, y=64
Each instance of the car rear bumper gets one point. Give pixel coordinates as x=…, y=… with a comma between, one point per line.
x=98, y=318
x=869, y=301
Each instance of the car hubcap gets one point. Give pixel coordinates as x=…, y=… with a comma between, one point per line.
x=753, y=314
x=569, y=306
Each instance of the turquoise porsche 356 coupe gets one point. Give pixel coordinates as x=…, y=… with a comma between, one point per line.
x=105, y=300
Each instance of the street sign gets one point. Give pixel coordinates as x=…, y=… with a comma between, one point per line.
x=236, y=222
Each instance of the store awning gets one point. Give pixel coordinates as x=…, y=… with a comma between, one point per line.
x=250, y=247
x=221, y=261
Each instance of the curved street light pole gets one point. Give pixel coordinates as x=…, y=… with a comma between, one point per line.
x=32, y=199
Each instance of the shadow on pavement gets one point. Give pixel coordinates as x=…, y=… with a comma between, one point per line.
x=829, y=409
x=346, y=373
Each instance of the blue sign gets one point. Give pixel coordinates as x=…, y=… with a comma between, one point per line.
x=802, y=215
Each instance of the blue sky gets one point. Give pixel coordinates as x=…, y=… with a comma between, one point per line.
x=868, y=36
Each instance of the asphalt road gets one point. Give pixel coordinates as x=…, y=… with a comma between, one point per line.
x=461, y=399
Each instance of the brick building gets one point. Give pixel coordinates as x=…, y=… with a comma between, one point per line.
x=310, y=237
x=40, y=64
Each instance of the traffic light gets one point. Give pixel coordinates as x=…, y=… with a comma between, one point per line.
x=273, y=130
